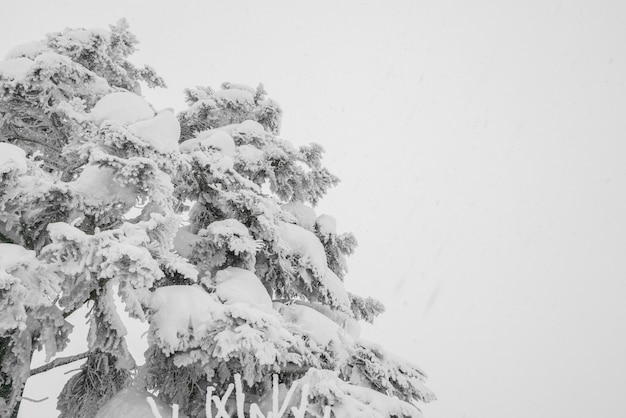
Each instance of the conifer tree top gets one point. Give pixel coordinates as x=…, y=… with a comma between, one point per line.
x=200, y=224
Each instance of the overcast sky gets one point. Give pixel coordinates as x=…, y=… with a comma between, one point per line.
x=481, y=147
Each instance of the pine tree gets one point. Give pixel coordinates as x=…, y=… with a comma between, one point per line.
x=203, y=224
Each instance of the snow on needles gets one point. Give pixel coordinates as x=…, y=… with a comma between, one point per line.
x=326, y=225
x=306, y=244
x=349, y=400
x=217, y=139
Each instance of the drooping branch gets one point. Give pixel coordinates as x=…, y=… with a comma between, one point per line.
x=62, y=361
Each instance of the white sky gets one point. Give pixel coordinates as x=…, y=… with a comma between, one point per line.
x=481, y=148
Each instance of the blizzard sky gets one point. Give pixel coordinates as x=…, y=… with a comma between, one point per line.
x=482, y=151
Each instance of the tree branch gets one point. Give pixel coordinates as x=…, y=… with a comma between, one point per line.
x=59, y=362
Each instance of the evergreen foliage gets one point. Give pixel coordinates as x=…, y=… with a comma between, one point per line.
x=203, y=225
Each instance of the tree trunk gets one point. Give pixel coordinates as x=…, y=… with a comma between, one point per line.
x=15, y=356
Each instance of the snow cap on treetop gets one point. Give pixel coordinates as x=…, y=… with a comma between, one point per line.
x=28, y=50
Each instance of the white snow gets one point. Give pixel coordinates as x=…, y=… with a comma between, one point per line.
x=235, y=234
x=132, y=402
x=122, y=107
x=250, y=154
x=315, y=325
x=162, y=131
x=349, y=401
x=28, y=50
x=327, y=225
x=12, y=158
x=251, y=126
x=180, y=310
x=236, y=95
x=365, y=402
x=98, y=184
x=200, y=104
x=230, y=86
x=305, y=215
x=336, y=289
x=12, y=255
x=15, y=68
x=228, y=227
x=236, y=285
x=54, y=60
x=84, y=36
x=220, y=140
x=306, y=244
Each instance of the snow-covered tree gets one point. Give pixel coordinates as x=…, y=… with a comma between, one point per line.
x=204, y=225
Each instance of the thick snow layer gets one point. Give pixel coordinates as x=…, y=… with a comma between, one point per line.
x=236, y=95
x=228, y=227
x=315, y=325
x=336, y=289
x=132, y=402
x=236, y=285
x=53, y=60
x=162, y=131
x=218, y=139
x=305, y=215
x=250, y=154
x=97, y=184
x=28, y=50
x=179, y=310
x=12, y=158
x=306, y=244
x=122, y=107
x=349, y=324
x=251, y=126
x=16, y=68
x=327, y=225
x=12, y=255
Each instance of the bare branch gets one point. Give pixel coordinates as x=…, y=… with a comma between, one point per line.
x=59, y=362
x=34, y=400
